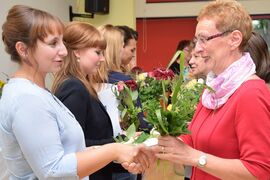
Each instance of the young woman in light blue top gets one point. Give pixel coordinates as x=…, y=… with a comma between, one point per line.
x=39, y=136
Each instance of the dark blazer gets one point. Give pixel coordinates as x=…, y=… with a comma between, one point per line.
x=93, y=118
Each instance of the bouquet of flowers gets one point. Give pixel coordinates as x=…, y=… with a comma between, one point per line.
x=174, y=101
x=127, y=94
x=168, y=103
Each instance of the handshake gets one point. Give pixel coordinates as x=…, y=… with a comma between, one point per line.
x=136, y=158
x=139, y=158
x=143, y=159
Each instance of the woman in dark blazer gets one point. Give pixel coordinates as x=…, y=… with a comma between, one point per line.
x=85, y=47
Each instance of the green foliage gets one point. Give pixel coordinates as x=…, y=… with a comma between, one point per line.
x=131, y=136
x=149, y=89
x=168, y=104
x=127, y=106
x=184, y=98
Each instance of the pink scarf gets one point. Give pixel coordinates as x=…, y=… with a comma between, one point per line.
x=226, y=83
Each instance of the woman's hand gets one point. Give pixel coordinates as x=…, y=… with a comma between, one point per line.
x=174, y=150
x=136, y=159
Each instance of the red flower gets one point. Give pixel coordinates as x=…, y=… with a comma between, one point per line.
x=161, y=73
x=136, y=70
x=131, y=84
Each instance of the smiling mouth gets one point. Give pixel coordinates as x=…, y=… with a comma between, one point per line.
x=59, y=61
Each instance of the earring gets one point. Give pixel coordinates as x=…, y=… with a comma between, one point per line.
x=78, y=60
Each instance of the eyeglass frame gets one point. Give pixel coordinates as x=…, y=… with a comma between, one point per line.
x=203, y=40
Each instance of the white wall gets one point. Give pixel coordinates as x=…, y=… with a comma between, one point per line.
x=122, y=12
x=55, y=7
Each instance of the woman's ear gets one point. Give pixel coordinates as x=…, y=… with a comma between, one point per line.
x=236, y=39
x=77, y=54
x=21, y=49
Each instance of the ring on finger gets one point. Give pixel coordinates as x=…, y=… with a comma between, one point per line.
x=163, y=149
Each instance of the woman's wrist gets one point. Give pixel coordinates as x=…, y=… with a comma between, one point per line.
x=195, y=158
x=115, y=148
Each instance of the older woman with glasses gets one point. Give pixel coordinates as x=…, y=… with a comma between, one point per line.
x=229, y=136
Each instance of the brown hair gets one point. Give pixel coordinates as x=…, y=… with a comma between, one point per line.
x=128, y=34
x=78, y=35
x=229, y=15
x=27, y=25
x=258, y=49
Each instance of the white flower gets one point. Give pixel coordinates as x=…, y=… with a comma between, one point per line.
x=154, y=132
x=201, y=81
x=151, y=142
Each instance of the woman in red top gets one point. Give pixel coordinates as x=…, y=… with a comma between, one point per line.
x=230, y=136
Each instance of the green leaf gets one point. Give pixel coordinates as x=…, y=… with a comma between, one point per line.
x=164, y=97
x=142, y=137
x=179, y=81
x=182, y=65
x=118, y=139
x=176, y=54
x=124, y=111
x=134, y=95
x=130, y=132
x=159, y=117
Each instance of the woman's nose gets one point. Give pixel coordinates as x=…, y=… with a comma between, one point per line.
x=192, y=60
x=102, y=58
x=198, y=47
x=63, y=50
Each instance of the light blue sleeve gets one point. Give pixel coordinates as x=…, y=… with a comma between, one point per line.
x=37, y=131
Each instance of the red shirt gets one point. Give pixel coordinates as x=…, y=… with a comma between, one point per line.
x=240, y=129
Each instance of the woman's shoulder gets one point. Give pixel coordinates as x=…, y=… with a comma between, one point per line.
x=71, y=85
x=72, y=81
x=254, y=88
x=18, y=92
x=255, y=84
x=17, y=87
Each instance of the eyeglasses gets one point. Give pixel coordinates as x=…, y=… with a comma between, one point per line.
x=203, y=39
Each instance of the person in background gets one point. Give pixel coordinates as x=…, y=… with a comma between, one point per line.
x=72, y=86
x=130, y=45
x=229, y=136
x=198, y=65
x=185, y=46
x=258, y=49
x=111, y=71
x=39, y=137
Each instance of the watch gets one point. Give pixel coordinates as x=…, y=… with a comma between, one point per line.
x=202, y=160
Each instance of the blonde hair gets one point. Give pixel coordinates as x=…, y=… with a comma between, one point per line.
x=78, y=35
x=229, y=15
x=115, y=42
